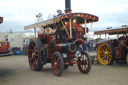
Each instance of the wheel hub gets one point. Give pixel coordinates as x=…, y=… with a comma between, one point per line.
x=33, y=55
x=55, y=63
x=105, y=53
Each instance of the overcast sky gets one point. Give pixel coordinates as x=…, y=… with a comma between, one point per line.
x=19, y=13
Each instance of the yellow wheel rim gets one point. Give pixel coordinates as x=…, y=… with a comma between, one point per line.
x=104, y=54
x=127, y=58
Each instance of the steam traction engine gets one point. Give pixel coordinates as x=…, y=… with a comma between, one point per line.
x=113, y=50
x=59, y=41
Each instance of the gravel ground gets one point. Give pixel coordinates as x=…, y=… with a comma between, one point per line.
x=14, y=70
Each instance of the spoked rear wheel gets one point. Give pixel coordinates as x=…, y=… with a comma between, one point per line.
x=105, y=53
x=33, y=56
x=84, y=63
x=57, y=64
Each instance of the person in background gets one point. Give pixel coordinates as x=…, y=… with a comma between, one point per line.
x=94, y=46
x=89, y=46
x=84, y=47
x=98, y=43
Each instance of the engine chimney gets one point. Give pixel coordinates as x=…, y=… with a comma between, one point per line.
x=68, y=6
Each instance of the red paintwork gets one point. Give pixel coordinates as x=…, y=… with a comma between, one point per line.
x=117, y=52
x=120, y=52
x=4, y=47
x=50, y=52
x=83, y=15
x=58, y=46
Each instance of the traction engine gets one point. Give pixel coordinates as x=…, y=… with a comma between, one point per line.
x=59, y=40
x=113, y=50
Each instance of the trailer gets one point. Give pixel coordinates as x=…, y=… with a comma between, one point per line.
x=4, y=46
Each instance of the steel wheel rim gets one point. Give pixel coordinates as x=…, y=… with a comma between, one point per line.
x=83, y=63
x=33, y=55
x=104, y=54
x=56, y=64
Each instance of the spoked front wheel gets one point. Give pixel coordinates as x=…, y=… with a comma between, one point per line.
x=57, y=64
x=84, y=63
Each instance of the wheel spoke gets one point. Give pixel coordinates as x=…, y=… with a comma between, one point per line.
x=109, y=58
x=103, y=49
x=109, y=54
x=84, y=67
x=31, y=50
x=35, y=49
x=84, y=57
x=34, y=63
x=31, y=58
x=58, y=63
x=108, y=48
x=33, y=45
x=36, y=54
x=101, y=52
x=103, y=57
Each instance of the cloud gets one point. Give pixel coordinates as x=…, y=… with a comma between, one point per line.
x=18, y=14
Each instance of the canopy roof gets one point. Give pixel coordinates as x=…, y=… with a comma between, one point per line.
x=113, y=31
x=1, y=20
x=89, y=17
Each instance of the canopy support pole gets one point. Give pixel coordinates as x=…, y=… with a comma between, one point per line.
x=70, y=28
x=35, y=32
x=117, y=36
x=65, y=28
x=105, y=37
x=85, y=28
x=47, y=30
